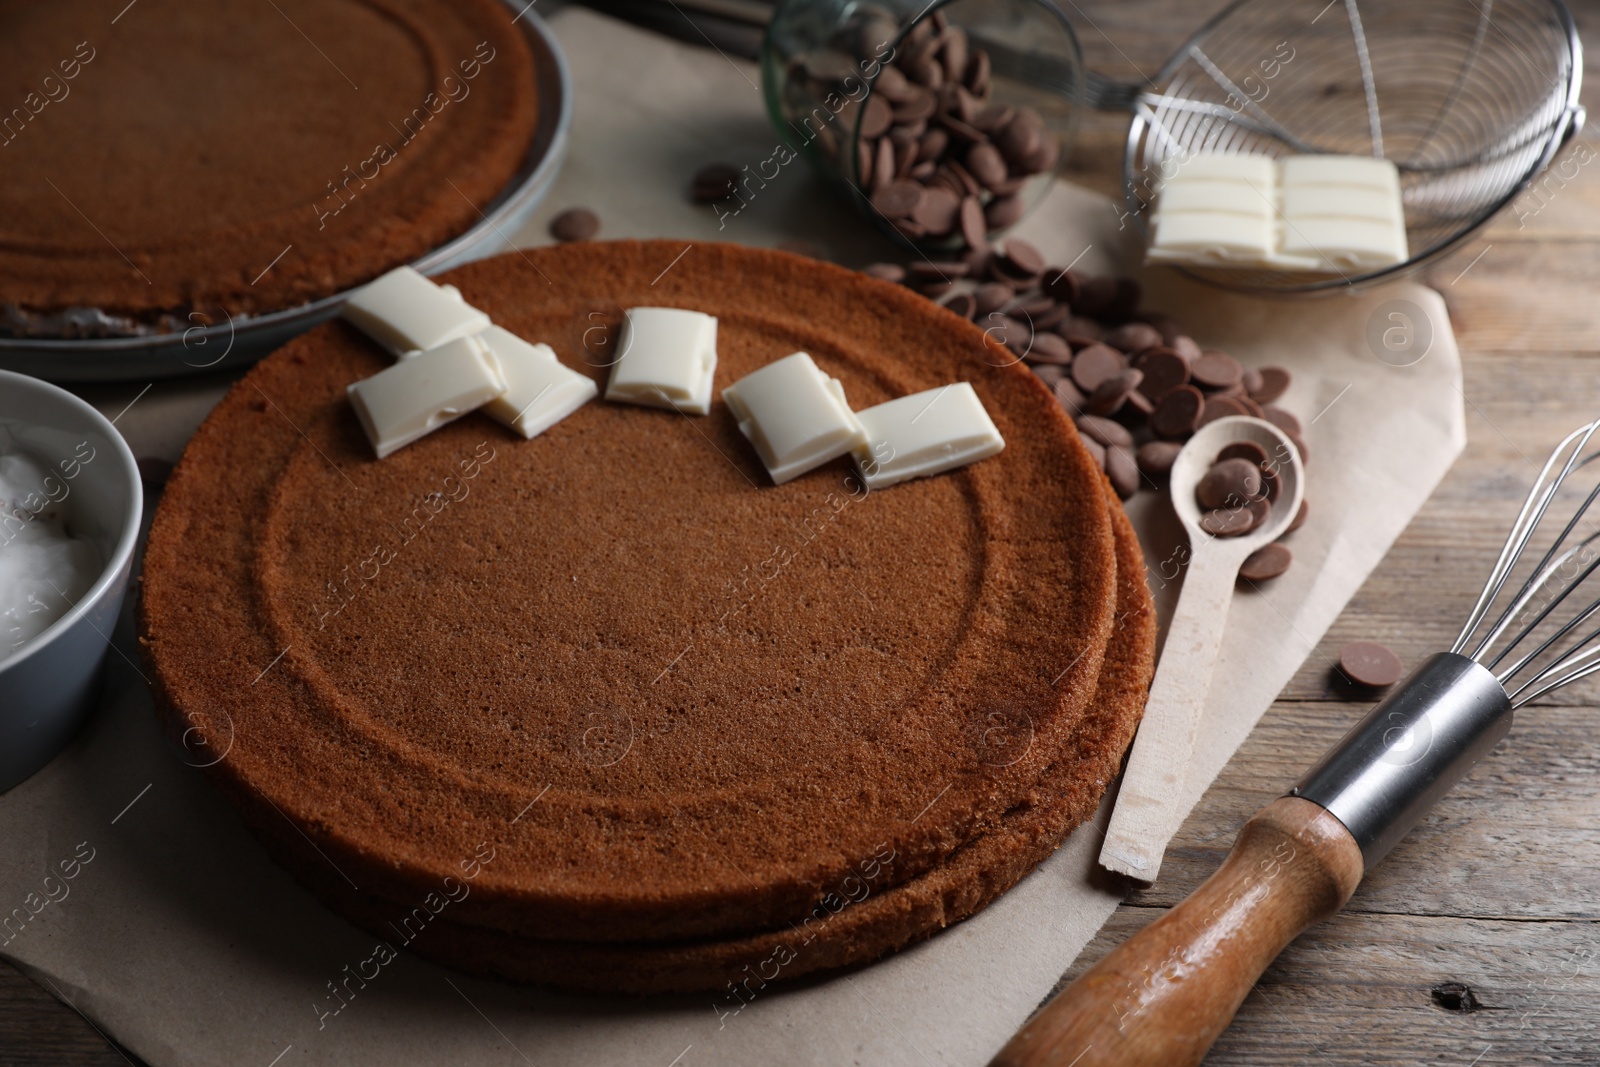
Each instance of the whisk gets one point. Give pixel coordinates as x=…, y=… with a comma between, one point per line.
x=1161, y=998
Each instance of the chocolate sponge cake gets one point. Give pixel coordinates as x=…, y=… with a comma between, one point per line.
x=675, y=702
x=244, y=157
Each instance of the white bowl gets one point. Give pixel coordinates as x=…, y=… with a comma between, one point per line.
x=49, y=686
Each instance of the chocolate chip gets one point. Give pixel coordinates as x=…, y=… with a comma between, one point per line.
x=1031, y=307
x=1134, y=337
x=936, y=211
x=1069, y=397
x=889, y=272
x=1271, y=484
x=1370, y=664
x=1184, y=345
x=1096, y=297
x=1141, y=403
x=1081, y=332
x=1216, y=370
x=1109, y=396
x=1164, y=370
x=1220, y=407
x=1266, y=562
x=898, y=199
x=1283, y=420
x=575, y=224
x=1246, y=450
x=1002, y=211
x=992, y=296
x=986, y=164
x=1274, y=383
x=1097, y=451
x=1021, y=258
x=1048, y=348
x=1177, y=415
x=1228, y=483
x=1299, y=446
x=1227, y=522
x=1251, y=380
x=974, y=228
x=1049, y=373
x=1155, y=458
x=994, y=117
x=1260, y=510
x=713, y=182
x=1105, y=431
x=1299, y=519
x=1122, y=470
x=1095, y=364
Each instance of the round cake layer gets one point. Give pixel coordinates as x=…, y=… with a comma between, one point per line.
x=244, y=157
x=675, y=700
x=860, y=920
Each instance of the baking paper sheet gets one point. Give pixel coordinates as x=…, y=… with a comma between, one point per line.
x=181, y=940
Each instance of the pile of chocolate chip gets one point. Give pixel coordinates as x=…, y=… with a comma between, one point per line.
x=1136, y=385
x=1236, y=496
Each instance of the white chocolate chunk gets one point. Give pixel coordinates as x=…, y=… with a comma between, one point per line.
x=1214, y=236
x=795, y=416
x=1305, y=213
x=405, y=312
x=1368, y=172
x=925, y=433
x=540, y=391
x=418, y=395
x=669, y=356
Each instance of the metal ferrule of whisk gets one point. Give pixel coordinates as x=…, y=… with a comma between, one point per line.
x=1523, y=638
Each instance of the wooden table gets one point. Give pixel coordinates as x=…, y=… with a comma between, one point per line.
x=1478, y=941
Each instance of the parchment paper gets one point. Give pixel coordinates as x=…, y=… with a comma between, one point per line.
x=180, y=939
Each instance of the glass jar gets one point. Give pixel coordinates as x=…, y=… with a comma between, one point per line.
x=944, y=122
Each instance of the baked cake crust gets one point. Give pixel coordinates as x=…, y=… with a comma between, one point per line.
x=193, y=146
x=679, y=701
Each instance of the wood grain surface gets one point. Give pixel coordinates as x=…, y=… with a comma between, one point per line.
x=1477, y=942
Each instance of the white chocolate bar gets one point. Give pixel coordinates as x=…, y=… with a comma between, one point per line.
x=925, y=433
x=668, y=357
x=423, y=392
x=540, y=391
x=1310, y=213
x=795, y=416
x=405, y=312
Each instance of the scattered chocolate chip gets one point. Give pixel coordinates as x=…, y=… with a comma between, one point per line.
x=154, y=471
x=1021, y=258
x=1228, y=483
x=1283, y=420
x=1048, y=348
x=1122, y=470
x=1097, y=451
x=1177, y=414
x=1105, y=431
x=1049, y=373
x=1216, y=370
x=1095, y=364
x=713, y=182
x=1134, y=337
x=992, y=296
x=898, y=199
x=1109, y=396
x=1069, y=397
x=1299, y=519
x=1163, y=369
x=1370, y=664
x=574, y=224
x=1155, y=458
x=1266, y=562
x=1274, y=383
x=1002, y=211
x=974, y=227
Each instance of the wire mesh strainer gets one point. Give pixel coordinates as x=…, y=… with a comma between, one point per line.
x=1469, y=98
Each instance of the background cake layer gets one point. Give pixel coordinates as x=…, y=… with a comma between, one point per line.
x=674, y=699
x=167, y=160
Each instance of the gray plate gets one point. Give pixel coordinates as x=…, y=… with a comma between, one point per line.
x=245, y=340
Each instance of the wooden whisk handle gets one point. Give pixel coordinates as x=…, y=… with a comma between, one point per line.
x=1162, y=997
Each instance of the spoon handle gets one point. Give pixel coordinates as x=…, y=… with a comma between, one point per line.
x=1163, y=996
x=1146, y=813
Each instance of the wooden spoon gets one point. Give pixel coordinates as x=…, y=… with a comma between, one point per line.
x=1148, y=810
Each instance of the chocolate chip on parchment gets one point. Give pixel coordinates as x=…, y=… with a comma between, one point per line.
x=574, y=224
x=1216, y=370
x=1299, y=519
x=1274, y=383
x=1266, y=562
x=1282, y=419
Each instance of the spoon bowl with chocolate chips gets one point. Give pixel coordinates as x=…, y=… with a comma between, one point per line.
x=1236, y=486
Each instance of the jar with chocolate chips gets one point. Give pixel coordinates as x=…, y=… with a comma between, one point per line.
x=943, y=123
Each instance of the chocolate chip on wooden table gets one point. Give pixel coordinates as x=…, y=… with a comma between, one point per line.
x=713, y=182
x=1370, y=664
x=575, y=224
x=1266, y=562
